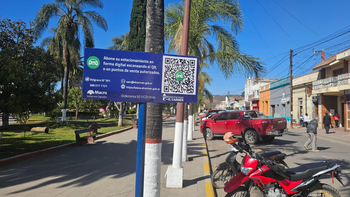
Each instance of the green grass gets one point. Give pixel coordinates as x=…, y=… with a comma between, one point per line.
x=13, y=142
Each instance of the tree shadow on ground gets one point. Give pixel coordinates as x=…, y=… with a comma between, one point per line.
x=77, y=166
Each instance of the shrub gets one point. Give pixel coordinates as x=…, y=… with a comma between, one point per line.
x=131, y=111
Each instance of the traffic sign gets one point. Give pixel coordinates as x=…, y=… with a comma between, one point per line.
x=126, y=76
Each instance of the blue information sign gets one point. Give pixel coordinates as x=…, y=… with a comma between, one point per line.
x=125, y=76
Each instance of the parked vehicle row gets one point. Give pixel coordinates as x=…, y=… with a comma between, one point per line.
x=255, y=125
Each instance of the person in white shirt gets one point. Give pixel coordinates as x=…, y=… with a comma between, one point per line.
x=306, y=118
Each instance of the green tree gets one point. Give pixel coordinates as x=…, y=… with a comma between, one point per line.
x=120, y=42
x=28, y=74
x=71, y=18
x=137, y=34
x=75, y=94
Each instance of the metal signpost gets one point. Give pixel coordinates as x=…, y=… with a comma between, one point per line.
x=124, y=76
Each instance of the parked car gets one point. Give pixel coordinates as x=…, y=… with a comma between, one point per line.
x=254, y=125
x=208, y=114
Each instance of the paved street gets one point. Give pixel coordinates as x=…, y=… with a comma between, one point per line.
x=106, y=168
x=292, y=144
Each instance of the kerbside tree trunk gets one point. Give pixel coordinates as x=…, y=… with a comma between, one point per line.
x=154, y=44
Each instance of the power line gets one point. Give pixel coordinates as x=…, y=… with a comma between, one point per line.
x=319, y=42
x=277, y=23
x=297, y=19
x=258, y=32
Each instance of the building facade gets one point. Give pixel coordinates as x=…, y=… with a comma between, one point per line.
x=280, y=98
x=302, y=96
x=332, y=89
x=264, y=102
x=252, y=92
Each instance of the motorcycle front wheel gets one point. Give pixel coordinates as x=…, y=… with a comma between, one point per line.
x=239, y=192
x=323, y=190
x=221, y=177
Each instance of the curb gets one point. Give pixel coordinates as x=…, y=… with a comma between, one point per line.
x=209, y=189
x=10, y=160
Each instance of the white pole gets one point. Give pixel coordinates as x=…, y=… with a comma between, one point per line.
x=174, y=174
x=190, y=127
x=177, y=145
x=184, y=141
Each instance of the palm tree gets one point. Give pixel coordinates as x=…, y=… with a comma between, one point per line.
x=71, y=18
x=204, y=15
x=154, y=44
x=225, y=54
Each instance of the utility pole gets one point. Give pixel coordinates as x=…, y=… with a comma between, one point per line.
x=175, y=172
x=291, y=88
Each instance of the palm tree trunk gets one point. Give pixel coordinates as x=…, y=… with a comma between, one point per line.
x=154, y=44
x=66, y=61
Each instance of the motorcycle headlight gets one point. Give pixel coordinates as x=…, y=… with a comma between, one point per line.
x=244, y=170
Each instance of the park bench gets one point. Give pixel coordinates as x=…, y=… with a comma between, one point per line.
x=89, y=136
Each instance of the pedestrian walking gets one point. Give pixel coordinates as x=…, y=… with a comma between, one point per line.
x=327, y=122
x=312, y=134
x=336, y=119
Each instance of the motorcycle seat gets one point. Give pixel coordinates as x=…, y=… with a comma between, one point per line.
x=305, y=171
x=267, y=155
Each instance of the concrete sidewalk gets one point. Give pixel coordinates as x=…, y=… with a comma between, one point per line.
x=337, y=134
x=106, y=168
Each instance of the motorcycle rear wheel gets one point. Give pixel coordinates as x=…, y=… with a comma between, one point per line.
x=221, y=177
x=323, y=190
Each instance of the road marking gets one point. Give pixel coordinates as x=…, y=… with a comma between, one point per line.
x=209, y=189
x=257, y=148
x=206, y=167
x=205, y=153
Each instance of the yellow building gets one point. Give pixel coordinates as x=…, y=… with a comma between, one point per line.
x=264, y=102
x=302, y=96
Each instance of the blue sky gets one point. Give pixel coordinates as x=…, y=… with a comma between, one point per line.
x=270, y=31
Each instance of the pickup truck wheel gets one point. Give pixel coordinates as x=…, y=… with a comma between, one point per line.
x=268, y=138
x=208, y=134
x=251, y=137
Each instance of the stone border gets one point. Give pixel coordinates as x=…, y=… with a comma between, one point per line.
x=10, y=160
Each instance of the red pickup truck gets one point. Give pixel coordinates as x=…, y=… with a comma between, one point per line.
x=254, y=125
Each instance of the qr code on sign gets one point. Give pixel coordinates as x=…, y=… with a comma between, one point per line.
x=179, y=75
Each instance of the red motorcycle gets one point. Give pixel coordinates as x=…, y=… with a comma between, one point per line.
x=271, y=179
